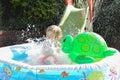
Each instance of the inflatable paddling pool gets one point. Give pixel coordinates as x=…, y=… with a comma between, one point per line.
x=13, y=69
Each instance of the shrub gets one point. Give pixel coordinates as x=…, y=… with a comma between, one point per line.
x=17, y=14
x=107, y=22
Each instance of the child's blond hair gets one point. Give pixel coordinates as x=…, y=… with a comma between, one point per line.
x=54, y=32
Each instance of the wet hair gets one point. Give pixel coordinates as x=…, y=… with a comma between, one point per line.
x=54, y=32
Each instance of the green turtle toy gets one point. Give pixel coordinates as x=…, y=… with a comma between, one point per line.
x=86, y=47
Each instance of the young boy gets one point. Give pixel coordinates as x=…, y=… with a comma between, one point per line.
x=54, y=33
x=51, y=49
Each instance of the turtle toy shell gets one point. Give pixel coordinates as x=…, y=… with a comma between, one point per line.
x=86, y=47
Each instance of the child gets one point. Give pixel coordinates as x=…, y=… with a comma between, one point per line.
x=51, y=47
x=54, y=33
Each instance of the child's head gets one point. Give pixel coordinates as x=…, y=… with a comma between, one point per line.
x=54, y=32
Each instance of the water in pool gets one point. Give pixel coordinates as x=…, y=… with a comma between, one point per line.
x=42, y=52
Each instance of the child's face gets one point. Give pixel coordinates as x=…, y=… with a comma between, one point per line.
x=50, y=34
x=53, y=32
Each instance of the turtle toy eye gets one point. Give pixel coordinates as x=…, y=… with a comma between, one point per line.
x=64, y=39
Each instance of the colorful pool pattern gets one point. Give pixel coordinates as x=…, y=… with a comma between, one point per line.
x=13, y=70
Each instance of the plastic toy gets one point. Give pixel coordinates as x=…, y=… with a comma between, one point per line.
x=19, y=53
x=86, y=47
x=72, y=17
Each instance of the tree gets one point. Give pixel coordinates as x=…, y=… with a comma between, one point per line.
x=107, y=20
x=17, y=14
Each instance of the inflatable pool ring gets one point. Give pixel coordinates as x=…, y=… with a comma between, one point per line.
x=10, y=69
x=86, y=47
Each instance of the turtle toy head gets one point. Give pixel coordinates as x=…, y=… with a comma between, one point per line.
x=66, y=43
x=86, y=47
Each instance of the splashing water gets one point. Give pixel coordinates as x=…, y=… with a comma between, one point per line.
x=31, y=32
x=45, y=52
